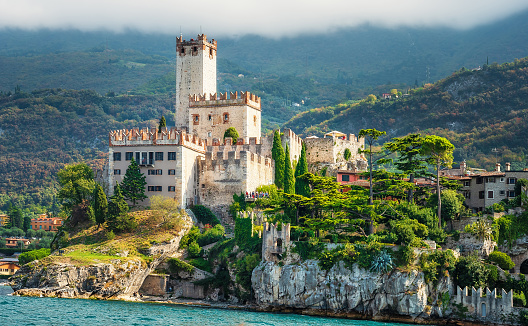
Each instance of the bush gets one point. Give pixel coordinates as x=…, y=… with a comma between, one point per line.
x=502, y=260
x=519, y=300
x=194, y=250
x=471, y=271
x=176, y=266
x=32, y=255
x=211, y=235
x=204, y=215
x=191, y=236
x=437, y=264
x=406, y=255
x=123, y=223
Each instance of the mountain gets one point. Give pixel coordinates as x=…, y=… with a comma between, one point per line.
x=483, y=112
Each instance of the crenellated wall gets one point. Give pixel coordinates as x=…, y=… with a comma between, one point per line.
x=151, y=137
x=485, y=305
x=224, y=173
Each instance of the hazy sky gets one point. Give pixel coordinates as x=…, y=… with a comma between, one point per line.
x=272, y=18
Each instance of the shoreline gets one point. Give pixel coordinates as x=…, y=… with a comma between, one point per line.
x=272, y=309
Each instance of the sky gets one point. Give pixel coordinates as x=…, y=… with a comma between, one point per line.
x=269, y=18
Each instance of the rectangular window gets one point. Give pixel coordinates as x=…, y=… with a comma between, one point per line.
x=479, y=180
x=511, y=193
x=490, y=194
x=145, y=158
x=511, y=181
x=117, y=156
x=117, y=172
x=467, y=194
x=466, y=183
x=172, y=188
x=159, y=156
x=490, y=180
x=128, y=156
x=155, y=172
x=502, y=192
x=481, y=194
x=172, y=172
x=171, y=156
x=345, y=177
x=154, y=188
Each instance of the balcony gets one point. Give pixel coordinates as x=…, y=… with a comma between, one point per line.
x=146, y=162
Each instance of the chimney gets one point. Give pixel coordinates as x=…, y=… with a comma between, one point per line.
x=497, y=167
x=508, y=166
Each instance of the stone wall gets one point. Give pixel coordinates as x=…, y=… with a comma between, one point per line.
x=155, y=285
x=468, y=243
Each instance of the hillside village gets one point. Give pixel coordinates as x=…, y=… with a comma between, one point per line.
x=339, y=234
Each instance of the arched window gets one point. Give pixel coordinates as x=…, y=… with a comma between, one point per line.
x=483, y=309
x=524, y=267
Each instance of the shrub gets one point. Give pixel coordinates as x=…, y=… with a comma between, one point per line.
x=382, y=263
x=194, y=250
x=471, y=271
x=437, y=264
x=502, y=260
x=211, y=235
x=519, y=300
x=191, y=236
x=406, y=255
x=32, y=255
x=176, y=266
x=204, y=215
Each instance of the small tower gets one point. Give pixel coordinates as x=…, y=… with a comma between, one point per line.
x=195, y=73
x=275, y=242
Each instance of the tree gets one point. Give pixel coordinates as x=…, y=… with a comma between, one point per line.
x=439, y=151
x=117, y=209
x=409, y=159
x=162, y=124
x=15, y=217
x=301, y=185
x=289, y=179
x=232, y=133
x=100, y=205
x=77, y=184
x=347, y=154
x=370, y=135
x=27, y=223
x=277, y=153
x=133, y=185
x=452, y=204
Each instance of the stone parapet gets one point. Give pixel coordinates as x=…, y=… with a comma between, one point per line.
x=151, y=136
x=224, y=99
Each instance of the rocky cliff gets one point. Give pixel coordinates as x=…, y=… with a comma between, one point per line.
x=119, y=277
x=306, y=286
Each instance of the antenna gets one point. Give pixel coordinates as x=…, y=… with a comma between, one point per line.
x=495, y=150
x=180, y=32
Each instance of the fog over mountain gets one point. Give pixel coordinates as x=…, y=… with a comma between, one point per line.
x=271, y=18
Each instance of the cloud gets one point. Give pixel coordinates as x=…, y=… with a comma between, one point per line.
x=272, y=18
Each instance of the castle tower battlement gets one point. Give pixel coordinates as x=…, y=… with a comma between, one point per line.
x=225, y=99
x=485, y=305
x=151, y=136
x=274, y=241
x=215, y=160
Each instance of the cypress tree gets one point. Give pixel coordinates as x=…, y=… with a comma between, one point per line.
x=301, y=186
x=100, y=205
x=134, y=183
x=27, y=222
x=162, y=123
x=289, y=179
x=117, y=205
x=277, y=153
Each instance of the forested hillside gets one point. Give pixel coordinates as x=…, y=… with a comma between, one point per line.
x=43, y=130
x=478, y=110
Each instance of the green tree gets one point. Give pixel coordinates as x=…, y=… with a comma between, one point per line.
x=133, y=185
x=100, y=205
x=301, y=185
x=289, y=179
x=277, y=153
x=77, y=185
x=409, y=159
x=15, y=217
x=232, y=133
x=370, y=135
x=347, y=154
x=27, y=222
x=162, y=124
x=118, y=219
x=452, y=204
x=439, y=151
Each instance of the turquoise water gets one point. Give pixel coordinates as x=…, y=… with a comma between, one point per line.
x=53, y=311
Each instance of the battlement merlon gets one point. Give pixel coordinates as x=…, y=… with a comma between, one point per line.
x=225, y=99
x=151, y=137
x=212, y=158
x=200, y=42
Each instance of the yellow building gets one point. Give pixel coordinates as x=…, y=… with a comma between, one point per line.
x=4, y=219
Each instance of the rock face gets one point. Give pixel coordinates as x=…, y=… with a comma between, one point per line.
x=306, y=286
x=119, y=278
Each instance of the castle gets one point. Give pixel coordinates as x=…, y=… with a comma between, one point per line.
x=191, y=162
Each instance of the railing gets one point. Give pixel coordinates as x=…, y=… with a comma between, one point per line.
x=146, y=162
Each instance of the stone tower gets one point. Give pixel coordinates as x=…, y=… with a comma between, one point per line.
x=195, y=73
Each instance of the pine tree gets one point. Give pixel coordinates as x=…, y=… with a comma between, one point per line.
x=289, y=179
x=277, y=153
x=301, y=186
x=100, y=205
x=162, y=123
x=133, y=185
x=117, y=205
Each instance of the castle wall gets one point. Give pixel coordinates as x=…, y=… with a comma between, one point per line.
x=224, y=173
x=485, y=305
x=287, y=137
x=211, y=115
x=195, y=73
x=332, y=149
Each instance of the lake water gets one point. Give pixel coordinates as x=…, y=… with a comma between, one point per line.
x=54, y=311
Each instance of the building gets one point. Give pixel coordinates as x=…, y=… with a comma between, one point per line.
x=481, y=188
x=9, y=266
x=43, y=222
x=14, y=242
x=192, y=163
x=4, y=219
